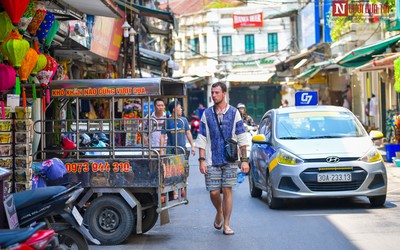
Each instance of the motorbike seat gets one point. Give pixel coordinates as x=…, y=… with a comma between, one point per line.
x=29, y=197
x=9, y=237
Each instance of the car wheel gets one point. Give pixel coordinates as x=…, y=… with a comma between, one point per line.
x=254, y=191
x=377, y=201
x=272, y=202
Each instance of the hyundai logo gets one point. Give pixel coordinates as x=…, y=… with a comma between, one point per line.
x=332, y=159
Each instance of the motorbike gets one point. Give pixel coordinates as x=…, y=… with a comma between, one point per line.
x=55, y=206
x=30, y=238
x=195, y=126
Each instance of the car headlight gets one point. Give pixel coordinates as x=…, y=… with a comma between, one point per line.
x=371, y=156
x=286, y=158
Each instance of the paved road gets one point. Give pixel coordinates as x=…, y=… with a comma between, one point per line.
x=306, y=224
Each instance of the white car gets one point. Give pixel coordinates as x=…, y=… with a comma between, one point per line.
x=315, y=151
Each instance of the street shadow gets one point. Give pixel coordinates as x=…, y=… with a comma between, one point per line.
x=334, y=205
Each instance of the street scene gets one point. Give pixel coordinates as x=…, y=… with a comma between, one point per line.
x=303, y=224
x=203, y=124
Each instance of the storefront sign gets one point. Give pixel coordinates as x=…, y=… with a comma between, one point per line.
x=103, y=91
x=251, y=20
x=107, y=36
x=252, y=62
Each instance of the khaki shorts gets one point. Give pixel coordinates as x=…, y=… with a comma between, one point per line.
x=221, y=176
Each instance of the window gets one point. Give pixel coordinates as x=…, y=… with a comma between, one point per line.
x=249, y=44
x=272, y=42
x=226, y=45
x=205, y=44
x=195, y=46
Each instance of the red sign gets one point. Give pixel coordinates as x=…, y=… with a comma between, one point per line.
x=251, y=20
x=340, y=8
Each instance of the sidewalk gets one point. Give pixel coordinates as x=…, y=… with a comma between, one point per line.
x=393, y=174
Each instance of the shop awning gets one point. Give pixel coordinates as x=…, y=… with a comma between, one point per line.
x=300, y=55
x=145, y=11
x=282, y=14
x=301, y=63
x=315, y=68
x=363, y=55
x=154, y=55
x=309, y=73
x=255, y=77
x=91, y=7
x=193, y=81
x=379, y=64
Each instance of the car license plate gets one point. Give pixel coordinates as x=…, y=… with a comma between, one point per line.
x=334, y=177
x=77, y=216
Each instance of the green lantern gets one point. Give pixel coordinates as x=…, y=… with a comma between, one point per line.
x=396, y=64
x=15, y=49
x=6, y=26
x=52, y=33
x=40, y=64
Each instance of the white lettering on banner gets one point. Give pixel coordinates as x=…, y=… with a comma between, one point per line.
x=252, y=20
x=306, y=98
x=340, y=8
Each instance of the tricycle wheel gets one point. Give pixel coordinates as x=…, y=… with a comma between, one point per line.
x=110, y=219
x=149, y=218
x=72, y=239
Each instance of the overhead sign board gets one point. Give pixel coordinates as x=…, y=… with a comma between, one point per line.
x=249, y=20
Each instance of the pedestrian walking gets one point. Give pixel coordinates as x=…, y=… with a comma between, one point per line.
x=182, y=131
x=200, y=110
x=243, y=113
x=219, y=173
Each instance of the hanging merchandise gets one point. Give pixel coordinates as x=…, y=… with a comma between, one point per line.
x=27, y=16
x=6, y=26
x=45, y=27
x=15, y=9
x=40, y=64
x=7, y=76
x=15, y=49
x=27, y=66
x=52, y=33
x=45, y=76
x=37, y=19
x=396, y=64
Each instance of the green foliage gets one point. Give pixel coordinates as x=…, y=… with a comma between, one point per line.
x=219, y=5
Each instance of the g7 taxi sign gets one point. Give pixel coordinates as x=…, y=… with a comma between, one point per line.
x=306, y=98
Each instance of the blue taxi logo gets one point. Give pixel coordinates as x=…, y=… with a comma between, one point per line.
x=306, y=98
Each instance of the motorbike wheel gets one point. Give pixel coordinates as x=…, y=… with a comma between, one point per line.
x=110, y=219
x=72, y=239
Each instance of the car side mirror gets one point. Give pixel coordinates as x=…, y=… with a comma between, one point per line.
x=260, y=139
x=375, y=135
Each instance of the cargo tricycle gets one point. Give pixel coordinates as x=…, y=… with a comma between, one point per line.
x=127, y=183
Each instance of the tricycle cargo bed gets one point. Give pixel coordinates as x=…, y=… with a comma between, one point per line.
x=127, y=172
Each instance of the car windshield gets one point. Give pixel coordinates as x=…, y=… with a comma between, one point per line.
x=315, y=125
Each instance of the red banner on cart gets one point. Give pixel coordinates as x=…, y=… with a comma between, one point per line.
x=250, y=20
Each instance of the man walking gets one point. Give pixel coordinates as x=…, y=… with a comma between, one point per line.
x=219, y=173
